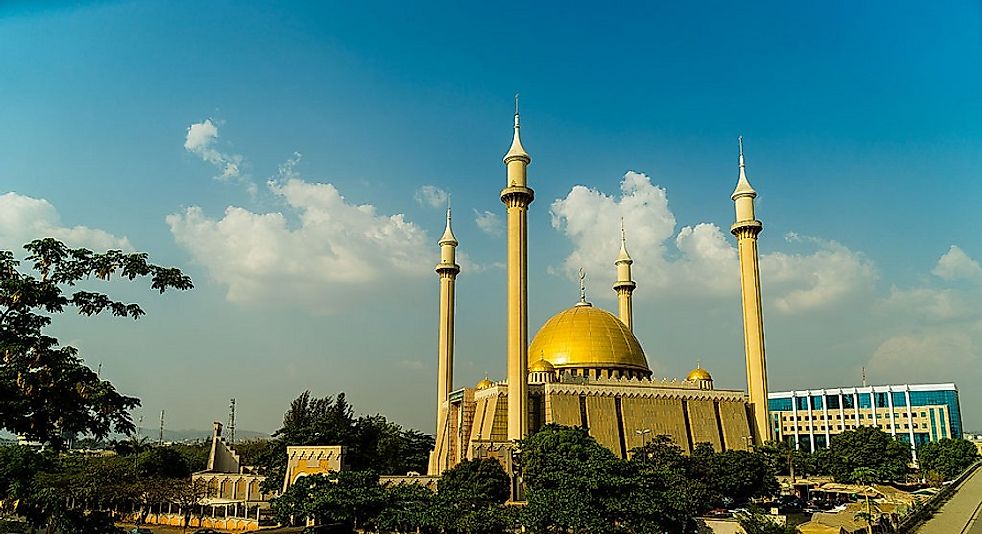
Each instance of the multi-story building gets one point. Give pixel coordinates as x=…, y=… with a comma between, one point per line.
x=914, y=413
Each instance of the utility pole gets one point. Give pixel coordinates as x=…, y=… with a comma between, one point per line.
x=231, y=421
x=160, y=441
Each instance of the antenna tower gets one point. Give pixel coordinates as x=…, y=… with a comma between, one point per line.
x=160, y=440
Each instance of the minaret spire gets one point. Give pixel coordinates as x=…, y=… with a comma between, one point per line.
x=447, y=269
x=746, y=228
x=517, y=196
x=625, y=285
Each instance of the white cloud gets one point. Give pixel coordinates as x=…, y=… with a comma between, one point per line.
x=702, y=259
x=334, y=245
x=200, y=140
x=431, y=195
x=24, y=218
x=943, y=354
x=828, y=274
x=489, y=222
x=956, y=265
x=591, y=220
x=929, y=303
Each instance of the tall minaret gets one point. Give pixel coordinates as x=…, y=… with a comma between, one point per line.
x=517, y=196
x=746, y=229
x=447, y=269
x=624, y=286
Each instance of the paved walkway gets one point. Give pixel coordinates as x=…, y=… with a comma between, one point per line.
x=962, y=514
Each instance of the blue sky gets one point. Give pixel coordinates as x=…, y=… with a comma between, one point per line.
x=863, y=132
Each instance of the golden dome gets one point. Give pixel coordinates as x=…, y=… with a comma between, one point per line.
x=588, y=337
x=698, y=374
x=541, y=366
x=484, y=384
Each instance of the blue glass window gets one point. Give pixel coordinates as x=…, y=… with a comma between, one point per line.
x=832, y=401
x=779, y=405
x=881, y=400
x=802, y=402
x=816, y=402
x=899, y=399
x=848, y=401
x=864, y=401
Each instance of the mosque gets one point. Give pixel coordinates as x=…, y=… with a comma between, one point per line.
x=588, y=368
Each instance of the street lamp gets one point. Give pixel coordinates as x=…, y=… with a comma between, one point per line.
x=643, y=433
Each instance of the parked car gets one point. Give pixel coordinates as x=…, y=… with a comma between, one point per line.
x=206, y=531
x=140, y=530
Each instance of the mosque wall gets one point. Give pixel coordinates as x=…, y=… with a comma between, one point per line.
x=702, y=423
x=736, y=426
x=603, y=422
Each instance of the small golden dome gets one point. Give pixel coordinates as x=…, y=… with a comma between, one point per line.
x=542, y=366
x=698, y=374
x=484, y=384
x=588, y=337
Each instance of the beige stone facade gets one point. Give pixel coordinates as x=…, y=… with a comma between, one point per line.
x=621, y=414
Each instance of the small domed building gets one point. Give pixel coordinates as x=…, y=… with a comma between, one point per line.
x=585, y=366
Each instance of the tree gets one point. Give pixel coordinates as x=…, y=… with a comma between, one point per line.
x=370, y=442
x=736, y=475
x=406, y=508
x=756, y=522
x=570, y=481
x=46, y=391
x=870, y=448
x=162, y=462
x=470, y=498
x=353, y=498
x=947, y=458
x=186, y=493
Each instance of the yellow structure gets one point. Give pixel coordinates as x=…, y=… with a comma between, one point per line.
x=308, y=460
x=746, y=229
x=588, y=367
x=447, y=269
x=517, y=196
x=624, y=286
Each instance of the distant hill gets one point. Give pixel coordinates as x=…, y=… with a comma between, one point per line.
x=194, y=434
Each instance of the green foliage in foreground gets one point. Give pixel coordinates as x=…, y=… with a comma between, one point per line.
x=947, y=458
x=470, y=499
x=70, y=493
x=46, y=391
x=576, y=484
x=868, y=448
x=371, y=442
x=756, y=522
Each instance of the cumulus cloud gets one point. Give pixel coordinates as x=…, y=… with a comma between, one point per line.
x=433, y=196
x=200, y=140
x=701, y=260
x=321, y=244
x=591, y=220
x=956, y=265
x=935, y=304
x=943, y=354
x=24, y=218
x=489, y=222
x=828, y=273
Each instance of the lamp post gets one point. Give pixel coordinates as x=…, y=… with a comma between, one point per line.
x=643, y=433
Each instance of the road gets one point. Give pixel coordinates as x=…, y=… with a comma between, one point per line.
x=962, y=514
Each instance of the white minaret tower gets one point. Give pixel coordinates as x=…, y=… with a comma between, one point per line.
x=624, y=286
x=517, y=196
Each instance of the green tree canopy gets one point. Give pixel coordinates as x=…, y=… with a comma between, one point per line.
x=947, y=457
x=46, y=391
x=370, y=442
x=870, y=448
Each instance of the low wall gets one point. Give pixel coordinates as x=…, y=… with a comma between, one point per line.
x=236, y=524
x=910, y=523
